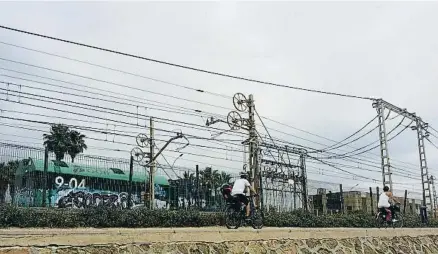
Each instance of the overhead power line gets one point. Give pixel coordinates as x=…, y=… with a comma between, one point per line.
x=351, y=153
x=339, y=144
x=331, y=140
x=110, y=83
x=432, y=144
x=115, y=70
x=97, y=108
x=183, y=66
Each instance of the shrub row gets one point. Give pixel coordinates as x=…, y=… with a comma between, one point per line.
x=100, y=218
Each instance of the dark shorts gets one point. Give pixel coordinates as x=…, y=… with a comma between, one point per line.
x=242, y=198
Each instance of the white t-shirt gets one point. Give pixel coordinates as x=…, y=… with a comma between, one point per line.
x=383, y=201
x=240, y=186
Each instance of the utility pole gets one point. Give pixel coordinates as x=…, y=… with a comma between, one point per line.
x=152, y=165
x=143, y=141
x=253, y=149
x=304, y=181
x=421, y=128
x=386, y=168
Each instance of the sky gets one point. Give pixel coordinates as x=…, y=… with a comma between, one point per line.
x=382, y=50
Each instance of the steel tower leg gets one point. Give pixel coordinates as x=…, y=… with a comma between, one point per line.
x=427, y=197
x=386, y=168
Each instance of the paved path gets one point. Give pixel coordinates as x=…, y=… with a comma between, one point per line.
x=86, y=236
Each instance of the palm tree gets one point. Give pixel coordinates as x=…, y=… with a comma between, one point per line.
x=188, y=179
x=58, y=140
x=222, y=178
x=62, y=140
x=76, y=145
x=209, y=183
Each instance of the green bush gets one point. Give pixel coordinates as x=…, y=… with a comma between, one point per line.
x=141, y=218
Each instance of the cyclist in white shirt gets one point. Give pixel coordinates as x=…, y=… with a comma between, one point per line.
x=384, y=199
x=240, y=188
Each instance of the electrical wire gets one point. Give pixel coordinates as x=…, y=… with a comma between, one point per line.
x=374, y=147
x=183, y=66
x=211, y=156
x=340, y=169
x=339, y=144
x=133, y=98
x=112, y=83
x=432, y=143
x=328, y=139
x=116, y=70
x=97, y=108
x=97, y=130
x=132, y=113
x=94, y=98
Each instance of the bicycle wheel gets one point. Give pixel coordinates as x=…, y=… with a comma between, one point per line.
x=399, y=222
x=257, y=219
x=378, y=220
x=232, y=218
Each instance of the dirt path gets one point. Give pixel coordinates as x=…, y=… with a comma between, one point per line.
x=87, y=236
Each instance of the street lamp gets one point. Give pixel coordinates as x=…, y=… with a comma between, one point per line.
x=176, y=160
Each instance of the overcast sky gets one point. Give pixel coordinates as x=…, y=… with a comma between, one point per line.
x=382, y=50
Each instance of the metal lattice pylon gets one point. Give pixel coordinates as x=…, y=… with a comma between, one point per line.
x=386, y=167
x=425, y=181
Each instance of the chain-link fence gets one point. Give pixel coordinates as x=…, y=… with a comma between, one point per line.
x=92, y=181
x=86, y=182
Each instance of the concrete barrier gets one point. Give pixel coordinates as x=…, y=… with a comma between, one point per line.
x=218, y=240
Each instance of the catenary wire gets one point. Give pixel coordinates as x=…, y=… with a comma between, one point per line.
x=184, y=66
x=114, y=69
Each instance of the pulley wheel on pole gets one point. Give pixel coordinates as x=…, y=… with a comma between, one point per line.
x=234, y=120
x=142, y=140
x=137, y=154
x=240, y=102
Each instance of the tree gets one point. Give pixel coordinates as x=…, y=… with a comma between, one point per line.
x=211, y=180
x=7, y=177
x=62, y=140
x=76, y=145
x=188, y=183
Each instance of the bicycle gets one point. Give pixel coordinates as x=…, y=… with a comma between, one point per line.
x=398, y=216
x=235, y=214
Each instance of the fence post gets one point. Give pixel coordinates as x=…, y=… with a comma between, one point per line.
x=342, y=198
x=131, y=172
x=46, y=167
x=197, y=201
x=372, y=201
x=378, y=194
x=423, y=214
x=404, y=203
